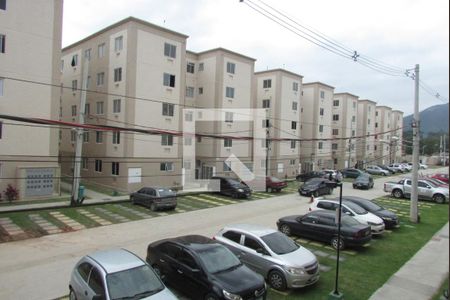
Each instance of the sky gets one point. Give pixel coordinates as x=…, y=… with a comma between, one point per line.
x=400, y=33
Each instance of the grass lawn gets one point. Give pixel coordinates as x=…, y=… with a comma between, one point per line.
x=365, y=270
x=440, y=293
x=23, y=202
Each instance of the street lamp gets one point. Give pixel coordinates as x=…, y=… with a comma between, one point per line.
x=335, y=294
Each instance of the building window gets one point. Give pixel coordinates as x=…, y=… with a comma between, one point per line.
x=375, y=148
x=228, y=117
x=231, y=67
x=84, y=163
x=293, y=125
x=368, y=147
x=74, y=85
x=295, y=86
x=166, y=140
x=267, y=83
x=229, y=92
x=376, y=114
x=294, y=105
x=335, y=131
x=189, y=116
x=166, y=166
x=116, y=137
x=201, y=67
x=188, y=141
x=74, y=60
x=87, y=54
x=101, y=50
x=98, y=165
x=335, y=117
x=265, y=123
x=88, y=80
x=118, y=43
x=320, y=145
x=376, y=124
x=320, y=128
x=321, y=111
x=74, y=110
x=170, y=50
x=116, y=106
x=369, y=108
x=190, y=92
x=353, y=119
x=266, y=103
x=86, y=137
x=335, y=102
x=3, y=4
x=226, y=167
x=99, y=108
x=334, y=146
x=200, y=91
x=2, y=82
x=73, y=136
x=169, y=80
x=353, y=132
x=1, y=130
x=115, y=168
x=227, y=143
x=293, y=144
x=190, y=67
x=99, y=137
x=2, y=43
x=280, y=167
x=292, y=162
x=118, y=75
x=87, y=109
x=368, y=121
x=101, y=78
x=167, y=109
x=322, y=95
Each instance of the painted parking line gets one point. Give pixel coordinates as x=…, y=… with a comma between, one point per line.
x=67, y=221
x=219, y=199
x=205, y=200
x=112, y=215
x=44, y=224
x=133, y=211
x=94, y=217
x=10, y=227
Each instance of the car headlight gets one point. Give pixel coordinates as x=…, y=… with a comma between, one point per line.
x=387, y=218
x=240, y=190
x=296, y=271
x=231, y=296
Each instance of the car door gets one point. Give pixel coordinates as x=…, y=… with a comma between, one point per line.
x=254, y=254
x=326, y=228
x=139, y=196
x=233, y=242
x=80, y=280
x=425, y=190
x=190, y=276
x=407, y=187
x=305, y=226
x=322, y=187
x=96, y=285
x=167, y=254
x=225, y=187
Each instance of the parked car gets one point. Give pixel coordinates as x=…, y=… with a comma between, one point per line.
x=155, y=198
x=376, y=170
x=407, y=166
x=389, y=218
x=441, y=176
x=232, y=187
x=349, y=208
x=271, y=183
x=398, y=168
x=280, y=260
x=321, y=225
x=351, y=173
x=364, y=181
x=201, y=268
x=313, y=174
x=421, y=166
x=426, y=190
x=116, y=274
x=316, y=187
x=435, y=181
x=387, y=168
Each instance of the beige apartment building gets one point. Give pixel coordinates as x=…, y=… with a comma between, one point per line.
x=279, y=93
x=397, y=123
x=136, y=79
x=365, y=139
x=344, y=126
x=221, y=80
x=30, y=45
x=316, y=111
x=384, y=140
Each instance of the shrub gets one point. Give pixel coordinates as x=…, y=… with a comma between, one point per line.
x=11, y=193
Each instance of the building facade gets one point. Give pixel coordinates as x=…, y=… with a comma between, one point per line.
x=397, y=123
x=316, y=130
x=279, y=93
x=384, y=138
x=365, y=133
x=28, y=76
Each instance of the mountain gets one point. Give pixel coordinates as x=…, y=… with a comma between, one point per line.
x=432, y=119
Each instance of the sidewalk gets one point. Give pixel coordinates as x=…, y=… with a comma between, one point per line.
x=421, y=277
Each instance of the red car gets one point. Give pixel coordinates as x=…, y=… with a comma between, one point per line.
x=273, y=184
x=441, y=176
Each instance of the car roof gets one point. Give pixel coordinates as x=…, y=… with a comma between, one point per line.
x=321, y=213
x=256, y=230
x=115, y=260
x=194, y=242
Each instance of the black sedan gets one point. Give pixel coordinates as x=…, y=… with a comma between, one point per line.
x=390, y=219
x=321, y=225
x=201, y=268
x=316, y=187
x=364, y=181
x=155, y=198
x=351, y=173
x=313, y=174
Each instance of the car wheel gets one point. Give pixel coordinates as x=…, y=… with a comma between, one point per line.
x=277, y=280
x=269, y=190
x=439, y=198
x=211, y=296
x=334, y=243
x=285, y=229
x=132, y=200
x=153, y=206
x=397, y=193
x=72, y=295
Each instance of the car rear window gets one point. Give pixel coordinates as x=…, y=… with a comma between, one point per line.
x=165, y=192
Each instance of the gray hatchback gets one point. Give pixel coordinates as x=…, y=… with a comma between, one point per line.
x=284, y=263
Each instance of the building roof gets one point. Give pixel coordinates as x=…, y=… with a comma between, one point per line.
x=278, y=70
x=397, y=111
x=223, y=50
x=383, y=106
x=126, y=20
x=367, y=100
x=346, y=93
x=318, y=83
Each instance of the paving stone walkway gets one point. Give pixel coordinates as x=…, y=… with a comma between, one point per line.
x=94, y=217
x=44, y=224
x=133, y=211
x=10, y=227
x=113, y=215
x=67, y=221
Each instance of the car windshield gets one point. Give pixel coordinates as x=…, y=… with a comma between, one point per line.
x=362, y=179
x=356, y=208
x=134, y=283
x=349, y=221
x=218, y=259
x=279, y=243
x=165, y=192
x=313, y=181
x=234, y=182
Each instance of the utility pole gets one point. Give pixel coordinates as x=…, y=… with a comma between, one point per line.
x=75, y=200
x=267, y=145
x=440, y=147
x=445, y=152
x=414, y=209
x=349, y=151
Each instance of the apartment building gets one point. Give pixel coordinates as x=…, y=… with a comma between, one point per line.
x=384, y=140
x=365, y=139
x=136, y=79
x=279, y=93
x=316, y=111
x=397, y=123
x=30, y=45
x=344, y=125
x=219, y=83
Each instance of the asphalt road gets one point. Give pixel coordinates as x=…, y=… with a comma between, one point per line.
x=40, y=268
